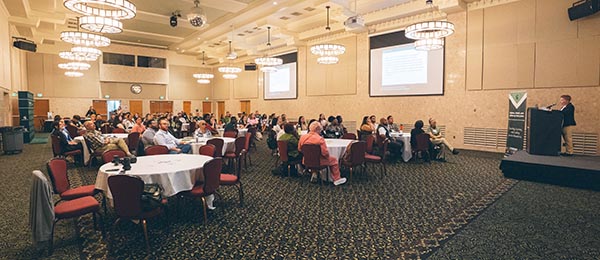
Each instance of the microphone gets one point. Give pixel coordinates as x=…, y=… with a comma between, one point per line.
x=550, y=106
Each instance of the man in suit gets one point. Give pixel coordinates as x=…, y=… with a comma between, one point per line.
x=568, y=111
x=67, y=144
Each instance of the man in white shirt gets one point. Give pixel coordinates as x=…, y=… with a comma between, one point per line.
x=163, y=137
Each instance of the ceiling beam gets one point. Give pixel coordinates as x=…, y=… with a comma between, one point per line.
x=159, y=18
x=231, y=6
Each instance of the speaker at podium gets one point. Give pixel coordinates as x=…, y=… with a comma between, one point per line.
x=544, y=129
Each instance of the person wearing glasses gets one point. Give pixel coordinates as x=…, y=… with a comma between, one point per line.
x=202, y=130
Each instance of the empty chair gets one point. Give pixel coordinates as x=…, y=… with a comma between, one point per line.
x=212, y=172
x=370, y=158
x=312, y=159
x=231, y=134
x=207, y=149
x=349, y=136
x=247, y=150
x=57, y=170
x=109, y=155
x=235, y=179
x=370, y=139
x=357, y=156
x=237, y=155
x=156, y=150
x=218, y=143
x=133, y=141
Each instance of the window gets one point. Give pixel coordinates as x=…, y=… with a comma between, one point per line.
x=118, y=59
x=151, y=62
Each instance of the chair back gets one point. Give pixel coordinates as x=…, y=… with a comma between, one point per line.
x=127, y=192
x=370, y=139
x=422, y=143
x=105, y=129
x=73, y=131
x=207, y=149
x=312, y=155
x=384, y=149
x=55, y=145
x=358, y=150
x=156, y=150
x=247, y=143
x=119, y=131
x=57, y=170
x=231, y=134
x=212, y=175
x=191, y=128
x=133, y=140
x=218, y=143
x=240, y=142
x=108, y=156
x=349, y=136
x=282, y=147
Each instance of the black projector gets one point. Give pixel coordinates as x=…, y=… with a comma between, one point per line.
x=25, y=45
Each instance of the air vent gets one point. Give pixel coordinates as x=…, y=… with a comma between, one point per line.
x=310, y=9
x=72, y=23
x=284, y=18
x=296, y=14
x=241, y=34
x=49, y=42
x=585, y=143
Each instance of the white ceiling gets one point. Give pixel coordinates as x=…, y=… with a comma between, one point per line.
x=244, y=22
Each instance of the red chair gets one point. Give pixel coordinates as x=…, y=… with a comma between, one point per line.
x=247, y=150
x=230, y=134
x=212, y=172
x=237, y=155
x=312, y=159
x=133, y=141
x=252, y=131
x=370, y=139
x=422, y=147
x=207, y=149
x=370, y=158
x=108, y=156
x=73, y=131
x=282, y=147
x=235, y=179
x=106, y=129
x=58, y=152
x=57, y=170
x=93, y=154
x=119, y=131
x=156, y=150
x=127, y=200
x=349, y=136
x=218, y=143
x=191, y=129
x=357, y=151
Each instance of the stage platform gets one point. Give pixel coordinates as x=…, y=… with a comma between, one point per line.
x=574, y=171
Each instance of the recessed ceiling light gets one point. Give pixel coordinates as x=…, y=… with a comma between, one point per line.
x=274, y=2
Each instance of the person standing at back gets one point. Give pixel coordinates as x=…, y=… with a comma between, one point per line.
x=568, y=111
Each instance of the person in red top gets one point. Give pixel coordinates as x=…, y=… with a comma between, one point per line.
x=139, y=126
x=313, y=137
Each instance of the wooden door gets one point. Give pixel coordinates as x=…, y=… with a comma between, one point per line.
x=161, y=107
x=220, y=109
x=187, y=107
x=245, y=106
x=101, y=108
x=41, y=107
x=135, y=106
x=206, y=107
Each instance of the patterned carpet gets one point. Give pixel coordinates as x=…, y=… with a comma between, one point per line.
x=406, y=214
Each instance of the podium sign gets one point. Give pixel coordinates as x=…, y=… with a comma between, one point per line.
x=517, y=102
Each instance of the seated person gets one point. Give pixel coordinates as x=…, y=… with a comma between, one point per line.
x=437, y=138
x=148, y=135
x=99, y=122
x=366, y=128
x=291, y=137
x=302, y=123
x=391, y=125
x=99, y=143
x=417, y=130
x=202, y=130
x=313, y=137
x=340, y=122
x=67, y=144
x=138, y=127
x=395, y=146
x=232, y=125
x=127, y=122
x=333, y=129
x=163, y=137
x=76, y=121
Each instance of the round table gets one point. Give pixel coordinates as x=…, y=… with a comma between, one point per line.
x=405, y=137
x=173, y=172
x=337, y=147
x=241, y=131
x=228, y=144
x=86, y=151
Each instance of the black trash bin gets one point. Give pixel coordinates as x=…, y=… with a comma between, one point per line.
x=12, y=139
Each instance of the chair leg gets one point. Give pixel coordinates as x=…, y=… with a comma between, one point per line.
x=204, y=206
x=145, y=227
x=51, y=242
x=94, y=218
x=241, y=191
x=289, y=170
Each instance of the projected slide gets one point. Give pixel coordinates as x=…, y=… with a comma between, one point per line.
x=401, y=70
x=282, y=83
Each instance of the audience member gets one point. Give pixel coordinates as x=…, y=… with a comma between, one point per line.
x=391, y=125
x=148, y=135
x=340, y=122
x=90, y=112
x=313, y=137
x=138, y=127
x=99, y=143
x=67, y=144
x=366, y=128
x=333, y=129
x=302, y=123
x=76, y=121
x=437, y=138
x=232, y=125
x=163, y=137
x=127, y=122
x=395, y=146
x=202, y=130
x=99, y=122
x=292, y=138
x=417, y=130
x=323, y=120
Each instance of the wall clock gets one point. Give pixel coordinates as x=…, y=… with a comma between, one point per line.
x=136, y=88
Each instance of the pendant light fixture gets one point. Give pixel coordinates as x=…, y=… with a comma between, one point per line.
x=430, y=34
x=328, y=52
x=203, y=78
x=196, y=17
x=267, y=62
x=115, y=9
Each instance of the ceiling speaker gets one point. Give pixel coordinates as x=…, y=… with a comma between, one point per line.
x=25, y=44
x=583, y=8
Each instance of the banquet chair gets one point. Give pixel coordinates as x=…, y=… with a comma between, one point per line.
x=237, y=155
x=119, y=131
x=234, y=179
x=370, y=139
x=133, y=141
x=349, y=136
x=108, y=156
x=422, y=147
x=207, y=149
x=73, y=131
x=247, y=150
x=105, y=129
x=230, y=134
x=375, y=159
x=191, y=128
x=57, y=170
x=252, y=131
x=58, y=152
x=156, y=150
x=212, y=172
x=94, y=155
x=127, y=193
x=218, y=143
x=282, y=147
x=358, y=151
x=312, y=159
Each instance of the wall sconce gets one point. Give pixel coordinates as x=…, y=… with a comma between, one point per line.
x=39, y=95
x=161, y=97
x=106, y=96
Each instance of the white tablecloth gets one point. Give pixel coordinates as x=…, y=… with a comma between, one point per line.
x=407, y=153
x=185, y=126
x=228, y=144
x=241, y=131
x=337, y=147
x=86, y=152
x=173, y=172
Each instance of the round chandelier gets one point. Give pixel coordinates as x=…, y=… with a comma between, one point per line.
x=203, y=78
x=196, y=17
x=230, y=70
x=100, y=24
x=79, y=56
x=268, y=69
x=429, y=44
x=86, y=52
x=73, y=74
x=326, y=60
x=203, y=81
x=230, y=76
x=84, y=39
x=75, y=66
x=328, y=50
x=268, y=61
x=115, y=9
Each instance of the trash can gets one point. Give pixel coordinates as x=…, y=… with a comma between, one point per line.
x=12, y=139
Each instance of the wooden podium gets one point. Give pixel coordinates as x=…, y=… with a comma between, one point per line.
x=544, y=129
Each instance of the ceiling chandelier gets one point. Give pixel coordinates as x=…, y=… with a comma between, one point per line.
x=326, y=60
x=231, y=55
x=115, y=9
x=196, y=16
x=429, y=34
x=75, y=66
x=329, y=50
x=100, y=24
x=230, y=72
x=84, y=39
x=73, y=74
x=230, y=76
x=203, y=78
x=267, y=62
x=78, y=54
